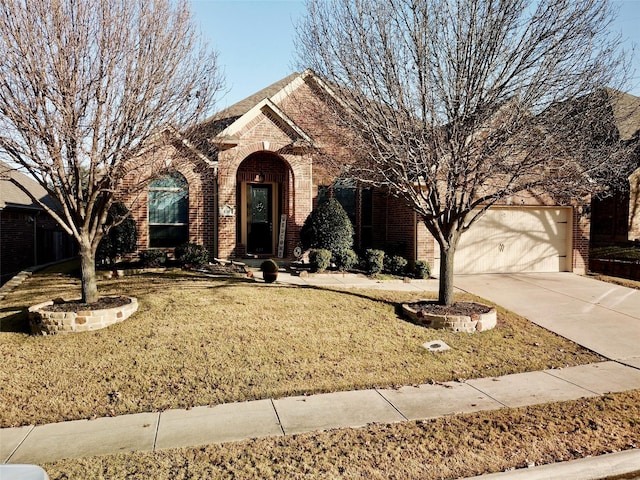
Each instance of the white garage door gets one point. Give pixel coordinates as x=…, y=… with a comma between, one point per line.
x=514, y=239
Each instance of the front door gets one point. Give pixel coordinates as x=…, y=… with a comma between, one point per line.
x=260, y=219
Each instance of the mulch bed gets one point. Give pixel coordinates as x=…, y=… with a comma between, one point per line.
x=77, y=305
x=459, y=308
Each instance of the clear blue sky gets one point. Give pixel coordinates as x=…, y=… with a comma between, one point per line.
x=255, y=40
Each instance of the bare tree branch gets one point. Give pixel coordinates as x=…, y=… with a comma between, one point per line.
x=458, y=104
x=84, y=86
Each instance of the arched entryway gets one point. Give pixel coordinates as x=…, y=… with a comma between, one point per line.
x=263, y=187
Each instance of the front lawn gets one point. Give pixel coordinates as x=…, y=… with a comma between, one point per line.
x=627, y=251
x=197, y=340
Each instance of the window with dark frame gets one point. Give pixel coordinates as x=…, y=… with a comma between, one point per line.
x=168, y=211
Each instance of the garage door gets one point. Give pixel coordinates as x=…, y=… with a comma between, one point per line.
x=510, y=239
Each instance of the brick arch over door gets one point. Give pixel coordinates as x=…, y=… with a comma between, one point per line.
x=264, y=184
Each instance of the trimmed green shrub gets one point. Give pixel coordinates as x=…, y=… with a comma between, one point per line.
x=421, y=269
x=395, y=264
x=269, y=266
x=346, y=260
x=320, y=259
x=121, y=239
x=152, y=258
x=328, y=227
x=191, y=254
x=373, y=261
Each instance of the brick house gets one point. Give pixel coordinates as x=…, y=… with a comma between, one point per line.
x=243, y=183
x=616, y=218
x=28, y=235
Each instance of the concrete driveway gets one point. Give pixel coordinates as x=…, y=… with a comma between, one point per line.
x=597, y=315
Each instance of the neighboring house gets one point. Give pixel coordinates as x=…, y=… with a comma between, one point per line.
x=616, y=218
x=243, y=183
x=28, y=235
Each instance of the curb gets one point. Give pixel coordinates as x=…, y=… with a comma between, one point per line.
x=624, y=464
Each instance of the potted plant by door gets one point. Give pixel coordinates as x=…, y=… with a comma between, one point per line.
x=269, y=270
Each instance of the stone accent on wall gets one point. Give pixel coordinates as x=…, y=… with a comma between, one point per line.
x=454, y=323
x=43, y=322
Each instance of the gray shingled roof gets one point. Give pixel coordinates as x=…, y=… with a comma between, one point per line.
x=12, y=196
x=626, y=111
x=212, y=126
x=243, y=106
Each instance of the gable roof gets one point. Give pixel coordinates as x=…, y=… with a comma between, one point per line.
x=12, y=196
x=224, y=128
x=626, y=113
x=243, y=106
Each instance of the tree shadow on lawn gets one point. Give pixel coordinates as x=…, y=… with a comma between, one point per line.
x=16, y=322
x=371, y=295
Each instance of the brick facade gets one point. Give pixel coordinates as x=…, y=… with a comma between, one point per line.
x=30, y=237
x=285, y=140
x=201, y=179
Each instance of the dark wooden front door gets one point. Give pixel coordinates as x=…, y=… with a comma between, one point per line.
x=260, y=219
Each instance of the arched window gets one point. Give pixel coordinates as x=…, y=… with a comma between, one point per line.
x=168, y=211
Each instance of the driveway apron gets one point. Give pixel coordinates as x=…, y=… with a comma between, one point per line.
x=600, y=316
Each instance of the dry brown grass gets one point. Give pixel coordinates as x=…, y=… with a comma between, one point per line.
x=625, y=282
x=197, y=340
x=443, y=448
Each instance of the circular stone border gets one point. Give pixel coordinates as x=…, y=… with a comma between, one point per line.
x=43, y=322
x=455, y=323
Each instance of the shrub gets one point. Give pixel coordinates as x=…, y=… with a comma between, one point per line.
x=327, y=227
x=269, y=266
x=152, y=258
x=191, y=254
x=395, y=264
x=320, y=259
x=421, y=269
x=373, y=261
x=346, y=259
x=121, y=239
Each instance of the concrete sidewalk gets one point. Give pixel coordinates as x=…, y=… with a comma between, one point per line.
x=599, y=316
x=292, y=415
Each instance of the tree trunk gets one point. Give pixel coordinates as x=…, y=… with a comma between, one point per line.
x=89, y=283
x=445, y=282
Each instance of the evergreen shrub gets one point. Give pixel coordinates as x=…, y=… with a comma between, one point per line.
x=373, y=261
x=395, y=264
x=346, y=260
x=328, y=227
x=421, y=269
x=191, y=254
x=121, y=239
x=320, y=259
x=152, y=258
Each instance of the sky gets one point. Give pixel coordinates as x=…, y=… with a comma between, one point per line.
x=255, y=40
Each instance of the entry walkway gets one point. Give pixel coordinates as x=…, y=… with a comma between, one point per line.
x=600, y=316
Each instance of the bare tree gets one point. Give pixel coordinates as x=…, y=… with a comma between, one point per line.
x=459, y=104
x=86, y=86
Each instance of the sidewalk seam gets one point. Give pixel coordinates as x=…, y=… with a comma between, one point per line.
x=24, y=439
x=155, y=436
x=548, y=372
x=275, y=410
x=504, y=405
x=406, y=419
